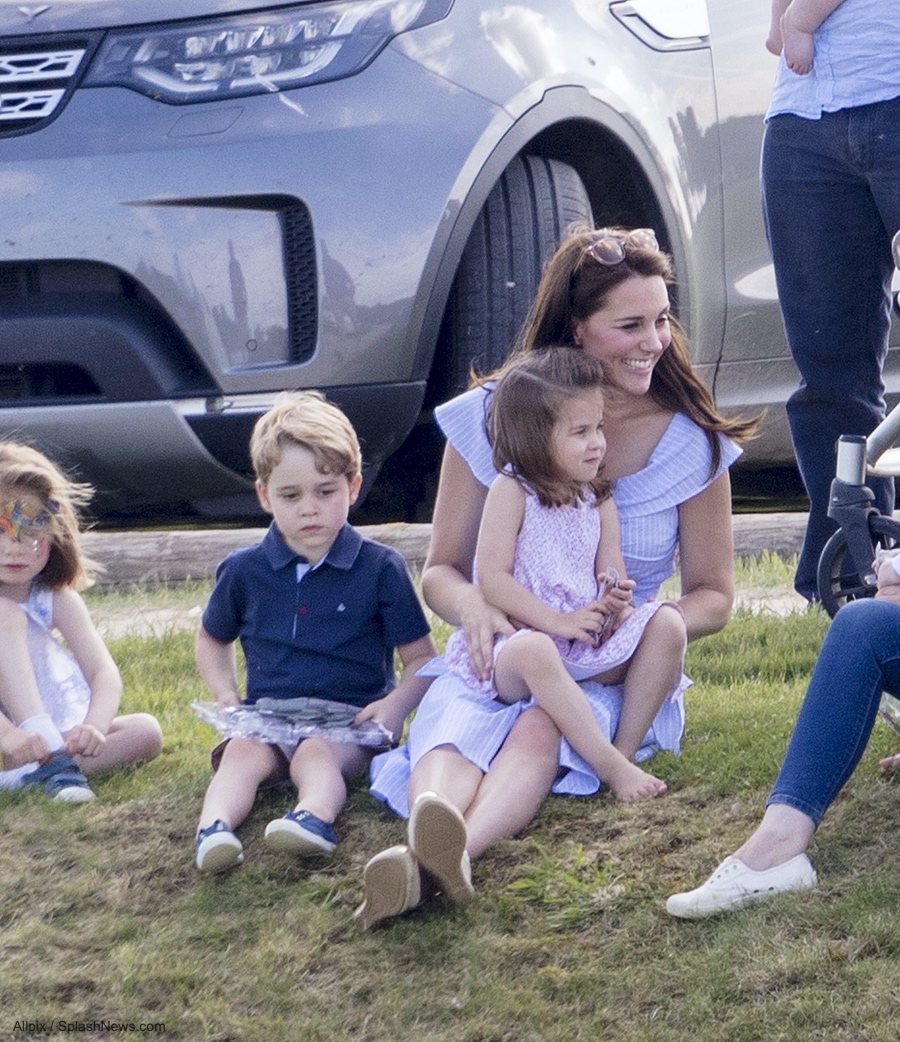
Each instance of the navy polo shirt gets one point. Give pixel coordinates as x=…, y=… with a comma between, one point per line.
x=326, y=632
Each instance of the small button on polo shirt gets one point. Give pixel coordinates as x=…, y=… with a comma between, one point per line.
x=329, y=631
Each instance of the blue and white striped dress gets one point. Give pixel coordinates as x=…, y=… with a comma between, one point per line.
x=648, y=501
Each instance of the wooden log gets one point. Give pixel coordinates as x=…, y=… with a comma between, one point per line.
x=177, y=556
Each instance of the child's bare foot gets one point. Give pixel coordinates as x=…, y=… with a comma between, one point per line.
x=799, y=51
x=629, y=783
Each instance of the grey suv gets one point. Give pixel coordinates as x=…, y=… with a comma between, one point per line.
x=205, y=202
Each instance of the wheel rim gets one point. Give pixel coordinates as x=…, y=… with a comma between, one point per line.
x=839, y=583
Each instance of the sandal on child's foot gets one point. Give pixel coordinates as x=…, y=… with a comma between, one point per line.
x=301, y=833
x=392, y=886
x=60, y=777
x=437, y=838
x=218, y=848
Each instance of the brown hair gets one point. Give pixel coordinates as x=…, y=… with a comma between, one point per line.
x=307, y=419
x=574, y=285
x=523, y=410
x=25, y=471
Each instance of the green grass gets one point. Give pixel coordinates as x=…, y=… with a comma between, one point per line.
x=104, y=918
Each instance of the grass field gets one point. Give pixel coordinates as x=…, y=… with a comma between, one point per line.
x=105, y=923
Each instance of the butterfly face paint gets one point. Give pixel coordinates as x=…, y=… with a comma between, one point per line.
x=21, y=521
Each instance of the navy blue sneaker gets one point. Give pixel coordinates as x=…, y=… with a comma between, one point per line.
x=301, y=833
x=61, y=779
x=217, y=848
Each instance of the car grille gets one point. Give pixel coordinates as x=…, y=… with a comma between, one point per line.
x=302, y=281
x=37, y=79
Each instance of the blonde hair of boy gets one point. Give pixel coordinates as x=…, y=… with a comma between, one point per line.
x=308, y=419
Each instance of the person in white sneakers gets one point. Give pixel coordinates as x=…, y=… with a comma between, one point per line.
x=859, y=660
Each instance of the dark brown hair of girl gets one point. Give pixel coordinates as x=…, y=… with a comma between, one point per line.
x=522, y=411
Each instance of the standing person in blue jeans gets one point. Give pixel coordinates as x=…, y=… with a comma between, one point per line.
x=860, y=659
x=831, y=202
x=319, y=612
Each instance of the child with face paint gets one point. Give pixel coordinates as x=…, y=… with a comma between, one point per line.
x=58, y=700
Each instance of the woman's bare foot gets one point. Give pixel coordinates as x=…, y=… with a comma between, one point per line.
x=629, y=783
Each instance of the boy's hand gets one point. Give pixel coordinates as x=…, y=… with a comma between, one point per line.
x=383, y=712
x=20, y=747
x=84, y=740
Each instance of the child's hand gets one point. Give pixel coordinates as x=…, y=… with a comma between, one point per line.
x=615, y=621
x=884, y=569
x=383, y=712
x=20, y=747
x=584, y=624
x=888, y=580
x=617, y=598
x=84, y=740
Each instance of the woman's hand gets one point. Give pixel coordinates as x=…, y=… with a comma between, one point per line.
x=481, y=623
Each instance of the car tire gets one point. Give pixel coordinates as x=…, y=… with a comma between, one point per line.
x=515, y=234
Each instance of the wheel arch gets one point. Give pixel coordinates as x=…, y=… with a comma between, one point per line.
x=622, y=177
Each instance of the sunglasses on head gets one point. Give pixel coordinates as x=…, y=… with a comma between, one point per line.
x=608, y=247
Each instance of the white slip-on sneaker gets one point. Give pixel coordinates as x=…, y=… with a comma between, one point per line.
x=437, y=838
x=392, y=886
x=734, y=886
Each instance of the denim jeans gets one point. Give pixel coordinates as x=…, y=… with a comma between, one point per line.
x=860, y=658
x=831, y=202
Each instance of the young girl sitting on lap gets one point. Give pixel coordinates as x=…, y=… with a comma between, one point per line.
x=549, y=556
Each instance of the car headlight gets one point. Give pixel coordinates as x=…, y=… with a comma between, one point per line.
x=272, y=50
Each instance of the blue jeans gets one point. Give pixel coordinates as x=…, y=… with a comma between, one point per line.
x=860, y=658
x=831, y=202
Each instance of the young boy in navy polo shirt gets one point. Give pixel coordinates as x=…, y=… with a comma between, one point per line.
x=319, y=612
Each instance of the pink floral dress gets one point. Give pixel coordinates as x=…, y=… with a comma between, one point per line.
x=554, y=559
